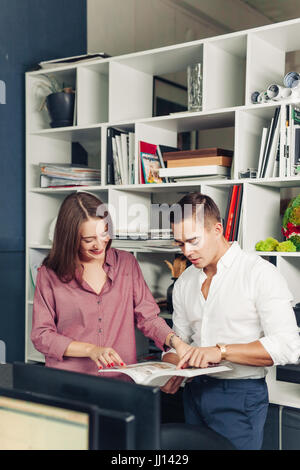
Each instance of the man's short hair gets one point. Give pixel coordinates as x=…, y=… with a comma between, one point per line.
x=192, y=201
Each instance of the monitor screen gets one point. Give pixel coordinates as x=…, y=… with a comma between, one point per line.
x=141, y=401
x=33, y=422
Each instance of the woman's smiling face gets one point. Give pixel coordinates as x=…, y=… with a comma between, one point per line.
x=93, y=239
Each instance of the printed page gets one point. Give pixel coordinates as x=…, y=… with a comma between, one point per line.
x=158, y=373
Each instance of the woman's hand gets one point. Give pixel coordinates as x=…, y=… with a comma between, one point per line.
x=107, y=357
x=200, y=357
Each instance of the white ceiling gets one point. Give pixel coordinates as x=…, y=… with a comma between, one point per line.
x=276, y=10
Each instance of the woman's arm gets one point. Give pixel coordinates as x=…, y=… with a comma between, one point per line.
x=106, y=356
x=44, y=333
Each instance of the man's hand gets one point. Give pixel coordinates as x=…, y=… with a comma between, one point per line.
x=200, y=357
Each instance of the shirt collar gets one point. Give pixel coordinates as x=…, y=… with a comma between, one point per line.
x=226, y=260
x=108, y=266
x=229, y=256
x=110, y=263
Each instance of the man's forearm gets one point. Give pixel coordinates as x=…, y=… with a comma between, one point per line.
x=252, y=354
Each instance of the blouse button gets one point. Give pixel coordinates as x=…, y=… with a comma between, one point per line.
x=99, y=302
x=99, y=331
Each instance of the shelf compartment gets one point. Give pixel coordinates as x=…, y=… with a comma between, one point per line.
x=224, y=72
x=249, y=128
x=57, y=147
x=131, y=97
x=289, y=266
x=42, y=208
x=36, y=118
x=92, y=96
x=262, y=217
x=156, y=272
x=266, y=55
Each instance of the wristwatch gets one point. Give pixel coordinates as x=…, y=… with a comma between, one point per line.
x=223, y=350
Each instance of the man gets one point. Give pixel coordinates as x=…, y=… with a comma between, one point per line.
x=230, y=306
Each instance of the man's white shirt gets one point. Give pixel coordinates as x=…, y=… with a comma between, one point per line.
x=248, y=300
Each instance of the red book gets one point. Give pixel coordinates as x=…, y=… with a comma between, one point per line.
x=231, y=212
x=237, y=214
x=146, y=148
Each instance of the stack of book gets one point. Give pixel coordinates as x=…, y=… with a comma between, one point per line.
x=280, y=144
x=120, y=156
x=194, y=164
x=62, y=175
x=233, y=213
x=154, y=240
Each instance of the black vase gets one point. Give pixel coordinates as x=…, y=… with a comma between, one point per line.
x=169, y=295
x=61, y=108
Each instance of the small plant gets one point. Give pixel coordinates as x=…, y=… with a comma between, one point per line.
x=47, y=85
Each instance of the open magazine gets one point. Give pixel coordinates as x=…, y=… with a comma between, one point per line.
x=158, y=373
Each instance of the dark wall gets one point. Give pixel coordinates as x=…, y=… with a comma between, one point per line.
x=30, y=31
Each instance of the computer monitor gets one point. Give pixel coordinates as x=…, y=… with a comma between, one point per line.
x=31, y=421
x=112, y=394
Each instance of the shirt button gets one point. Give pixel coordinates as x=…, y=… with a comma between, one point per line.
x=99, y=331
x=99, y=302
x=99, y=319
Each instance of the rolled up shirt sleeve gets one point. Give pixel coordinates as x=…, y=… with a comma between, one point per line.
x=146, y=310
x=274, y=305
x=44, y=335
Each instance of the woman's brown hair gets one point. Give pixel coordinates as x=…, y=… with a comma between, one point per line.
x=75, y=209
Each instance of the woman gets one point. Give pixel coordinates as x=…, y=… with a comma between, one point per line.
x=89, y=296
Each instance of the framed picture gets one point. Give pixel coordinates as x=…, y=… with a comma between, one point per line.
x=171, y=97
x=168, y=97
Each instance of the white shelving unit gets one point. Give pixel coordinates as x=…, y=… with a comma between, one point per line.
x=118, y=91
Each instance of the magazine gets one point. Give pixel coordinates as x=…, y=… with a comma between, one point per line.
x=158, y=373
x=151, y=166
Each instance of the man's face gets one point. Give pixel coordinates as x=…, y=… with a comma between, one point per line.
x=198, y=244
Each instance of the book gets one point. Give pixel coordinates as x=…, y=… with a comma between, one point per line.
x=268, y=154
x=131, y=162
x=125, y=156
x=162, y=163
x=231, y=212
x=117, y=171
x=150, y=164
x=235, y=228
x=194, y=171
x=46, y=64
x=52, y=175
x=110, y=168
x=196, y=179
x=212, y=152
x=52, y=182
x=273, y=150
x=199, y=161
x=227, y=208
x=262, y=148
x=157, y=374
